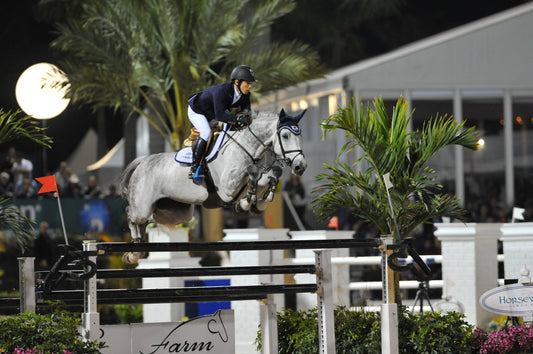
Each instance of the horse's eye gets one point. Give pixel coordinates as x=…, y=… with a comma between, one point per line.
x=285, y=135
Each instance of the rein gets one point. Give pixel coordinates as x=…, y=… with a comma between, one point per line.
x=283, y=161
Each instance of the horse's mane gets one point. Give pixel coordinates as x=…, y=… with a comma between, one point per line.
x=265, y=117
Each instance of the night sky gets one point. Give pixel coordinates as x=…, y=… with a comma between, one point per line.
x=25, y=40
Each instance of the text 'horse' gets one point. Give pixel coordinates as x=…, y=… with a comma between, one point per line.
x=158, y=189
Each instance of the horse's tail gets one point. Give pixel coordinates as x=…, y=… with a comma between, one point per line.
x=126, y=175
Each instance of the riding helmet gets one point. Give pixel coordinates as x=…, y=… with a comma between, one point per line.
x=243, y=73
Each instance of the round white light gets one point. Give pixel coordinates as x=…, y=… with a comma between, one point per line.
x=37, y=93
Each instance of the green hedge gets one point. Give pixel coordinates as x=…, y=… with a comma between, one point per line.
x=359, y=332
x=50, y=333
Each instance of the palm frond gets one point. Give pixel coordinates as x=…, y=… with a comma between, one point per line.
x=388, y=147
x=127, y=54
x=13, y=219
x=14, y=126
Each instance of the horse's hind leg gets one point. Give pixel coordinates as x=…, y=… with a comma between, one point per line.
x=138, y=234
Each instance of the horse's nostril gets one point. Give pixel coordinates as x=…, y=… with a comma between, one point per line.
x=298, y=170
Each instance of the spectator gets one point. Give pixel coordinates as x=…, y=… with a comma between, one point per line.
x=63, y=177
x=22, y=168
x=7, y=162
x=6, y=187
x=44, y=249
x=73, y=188
x=93, y=189
x=25, y=189
x=112, y=192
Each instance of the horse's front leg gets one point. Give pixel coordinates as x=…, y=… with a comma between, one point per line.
x=251, y=192
x=267, y=187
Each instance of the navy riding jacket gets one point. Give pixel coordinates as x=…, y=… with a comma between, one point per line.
x=214, y=102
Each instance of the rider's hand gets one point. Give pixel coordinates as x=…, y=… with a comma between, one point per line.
x=244, y=118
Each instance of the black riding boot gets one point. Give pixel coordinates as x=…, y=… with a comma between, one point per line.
x=197, y=155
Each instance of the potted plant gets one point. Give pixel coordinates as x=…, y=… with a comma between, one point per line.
x=389, y=149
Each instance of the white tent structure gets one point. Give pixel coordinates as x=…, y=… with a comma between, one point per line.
x=480, y=72
x=108, y=168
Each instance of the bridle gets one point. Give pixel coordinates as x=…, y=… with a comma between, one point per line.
x=284, y=152
x=282, y=160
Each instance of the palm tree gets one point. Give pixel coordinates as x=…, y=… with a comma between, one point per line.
x=14, y=126
x=147, y=56
x=392, y=157
x=388, y=148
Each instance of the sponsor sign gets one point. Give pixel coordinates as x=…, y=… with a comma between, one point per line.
x=509, y=300
x=205, y=334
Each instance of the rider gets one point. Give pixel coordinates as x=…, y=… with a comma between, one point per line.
x=213, y=104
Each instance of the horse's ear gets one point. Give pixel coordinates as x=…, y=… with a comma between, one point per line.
x=285, y=119
x=299, y=116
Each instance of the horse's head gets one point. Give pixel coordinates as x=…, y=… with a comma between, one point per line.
x=289, y=142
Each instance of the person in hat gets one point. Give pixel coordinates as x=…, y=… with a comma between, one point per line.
x=216, y=104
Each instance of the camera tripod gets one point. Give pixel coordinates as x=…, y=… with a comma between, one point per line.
x=422, y=294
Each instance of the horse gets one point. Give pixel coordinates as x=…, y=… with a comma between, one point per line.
x=247, y=165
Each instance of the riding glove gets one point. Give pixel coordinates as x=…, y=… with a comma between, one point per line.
x=244, y=118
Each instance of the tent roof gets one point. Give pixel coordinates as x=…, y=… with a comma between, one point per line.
x=492, y=53
x=113, y=158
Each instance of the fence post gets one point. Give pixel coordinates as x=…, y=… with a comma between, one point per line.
x=27, y=283
x=173, y=312
x=470, y=265
x=248, y=313
x=389, y=309
x=341, y=272
x=269, y=326
x=90, y=317
x=326, y=319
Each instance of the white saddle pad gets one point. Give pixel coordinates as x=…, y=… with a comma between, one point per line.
x=185, y=155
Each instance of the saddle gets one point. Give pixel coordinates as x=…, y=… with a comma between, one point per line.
x=218, y=134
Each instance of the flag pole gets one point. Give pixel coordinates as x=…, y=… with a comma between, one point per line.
x=62, y=219
x=49, y=184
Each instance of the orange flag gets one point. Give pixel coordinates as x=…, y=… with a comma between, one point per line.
x=334, y=223
x=49, y=184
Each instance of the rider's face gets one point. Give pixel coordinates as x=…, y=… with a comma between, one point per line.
x=246, y=86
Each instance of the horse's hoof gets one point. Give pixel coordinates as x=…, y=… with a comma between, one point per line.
x=237, y=209
x=130, y=257
x=255, y=210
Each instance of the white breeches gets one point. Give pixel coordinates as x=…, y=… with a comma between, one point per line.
x=200, y=123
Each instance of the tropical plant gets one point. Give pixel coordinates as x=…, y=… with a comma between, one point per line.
x=390, y=149
x=148, y=56
x=15, y=126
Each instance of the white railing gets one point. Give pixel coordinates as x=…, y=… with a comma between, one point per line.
x=376, y=260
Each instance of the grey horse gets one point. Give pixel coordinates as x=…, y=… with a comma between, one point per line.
x=158, y=189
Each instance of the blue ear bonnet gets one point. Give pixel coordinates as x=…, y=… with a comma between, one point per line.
x=288, y=122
